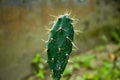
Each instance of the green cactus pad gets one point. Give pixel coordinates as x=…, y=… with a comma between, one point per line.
x=59, y=45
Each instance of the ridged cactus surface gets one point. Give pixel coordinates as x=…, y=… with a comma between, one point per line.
x=59, y=45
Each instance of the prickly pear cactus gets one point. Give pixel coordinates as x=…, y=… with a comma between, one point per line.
x=59, y=45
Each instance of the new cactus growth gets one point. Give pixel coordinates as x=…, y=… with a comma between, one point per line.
x=59, y=45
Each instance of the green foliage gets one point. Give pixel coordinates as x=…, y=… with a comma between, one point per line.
x=92, y=67
x=104, y=38
x=116, y=36
x=38, y=67
x=59, y=45
x=69, y=70
x=87, y=61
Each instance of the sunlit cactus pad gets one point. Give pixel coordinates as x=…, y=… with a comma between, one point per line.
x=59, y=45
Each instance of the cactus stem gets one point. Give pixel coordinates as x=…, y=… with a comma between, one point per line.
x=60, y=41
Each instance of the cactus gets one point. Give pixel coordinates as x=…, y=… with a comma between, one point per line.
x=59, y=45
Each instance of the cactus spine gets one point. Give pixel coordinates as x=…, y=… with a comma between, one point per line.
x=59, y=45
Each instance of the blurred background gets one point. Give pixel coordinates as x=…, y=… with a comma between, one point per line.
x=23, y=32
